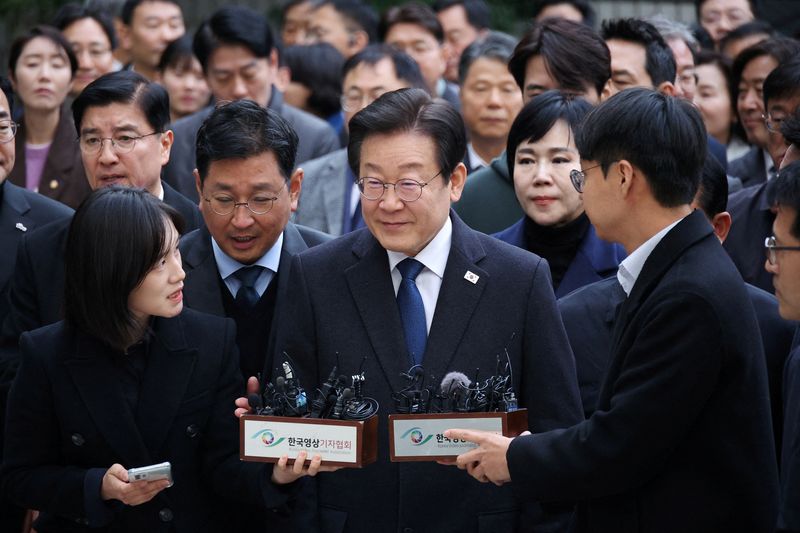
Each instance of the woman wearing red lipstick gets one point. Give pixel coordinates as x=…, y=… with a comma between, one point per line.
x=130, y=379
x=541, y=154
x=42, y=67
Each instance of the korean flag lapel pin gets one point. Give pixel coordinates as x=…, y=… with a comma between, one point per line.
x=20, y=226
x=472, y=277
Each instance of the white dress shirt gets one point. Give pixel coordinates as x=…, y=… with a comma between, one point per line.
x=631, y=267
x=429, y=281
x=227, y=266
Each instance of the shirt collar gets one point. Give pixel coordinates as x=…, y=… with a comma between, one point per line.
x=475, y=161
x=631, y=267
x=434, y=255
x=227, y=265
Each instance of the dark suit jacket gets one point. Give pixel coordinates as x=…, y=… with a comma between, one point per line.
x=63, y=177
x=202, y=287
x=316, y=138
x=188, y=210
x=596, y=259
x=69, y=422
x=589, y=313
x=344, y=309
x=789, y=517
x=36, y=291
x=750, y=168
x=681, y=439
x=488, y=202
x=751, y=224
x=21, y=211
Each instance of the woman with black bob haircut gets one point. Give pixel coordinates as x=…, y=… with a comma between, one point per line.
x=182, y=76
x=131, y=378
x=541, y=156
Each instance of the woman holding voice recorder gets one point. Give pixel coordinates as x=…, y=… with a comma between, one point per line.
x=130, y=379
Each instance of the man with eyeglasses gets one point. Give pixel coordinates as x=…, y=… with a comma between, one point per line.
x=783, y=262
x=121, y=122
x=418, y=291
x=750, y=208
x=20, y=211
x=681, y=438
x=238, y=264
x=331, y=201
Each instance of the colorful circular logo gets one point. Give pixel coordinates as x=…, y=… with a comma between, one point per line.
x=416, y=436
x=267, y=437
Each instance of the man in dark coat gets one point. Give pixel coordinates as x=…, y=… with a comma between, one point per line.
x=350, y=307
x=685, y=395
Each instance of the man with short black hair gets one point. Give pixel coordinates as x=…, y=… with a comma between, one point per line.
x=463, y=21
x=720, y=17
x=121, y=121
x=574, y=10
x=148, y=26
x=330, y=201
x=414, y=29
x=490, y=98
x=419, y=288
x=783, y=262
x=236, y=50
x=553, y=54
x=347, y=25
x=684, y=397
x=750, y=208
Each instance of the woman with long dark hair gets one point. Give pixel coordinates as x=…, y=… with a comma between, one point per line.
x=130, y=379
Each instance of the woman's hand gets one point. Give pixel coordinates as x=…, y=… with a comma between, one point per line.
x=115, y=486
x=283, y=474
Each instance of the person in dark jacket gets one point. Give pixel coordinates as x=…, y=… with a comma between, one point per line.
x=130, y=379
x=541, y=154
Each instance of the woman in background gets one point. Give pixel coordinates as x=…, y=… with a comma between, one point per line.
x=41, y=67
x=182, y=76
x=541, y=155
x=130, y=378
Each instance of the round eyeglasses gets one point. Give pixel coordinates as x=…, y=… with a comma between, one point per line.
x=772, y=248
x=578, y=177
x=8, y=130
x=121, y=144
x=407, y=189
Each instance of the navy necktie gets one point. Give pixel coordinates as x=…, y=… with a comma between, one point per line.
x=412, y=310
x=247, y=295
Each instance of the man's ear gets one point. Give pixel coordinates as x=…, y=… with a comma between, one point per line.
x=667, y=88
x=457, y=180
x=626, y=175
x=722, y=225
x=199, y=185
x=295, y=186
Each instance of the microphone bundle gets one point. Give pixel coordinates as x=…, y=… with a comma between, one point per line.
x=456, y=393
x=339, y=398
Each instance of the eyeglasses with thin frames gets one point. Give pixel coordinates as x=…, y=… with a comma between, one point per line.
x=407, y=189
x=772, y=248
x=121, y=144
x=8, y=130
x=578, y=177
x=224, y=205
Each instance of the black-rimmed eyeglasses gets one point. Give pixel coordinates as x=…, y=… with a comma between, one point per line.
x=578, y=177
x=772, y=248
x=407, y=189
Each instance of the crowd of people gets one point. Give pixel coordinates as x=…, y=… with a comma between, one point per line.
x=611, y=204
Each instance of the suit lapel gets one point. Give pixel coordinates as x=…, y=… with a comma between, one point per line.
x=96, y=378
x=202, y=285
x=458, y=298
x=687, y=232
x=293, y=244
x=14, y=223
x=170, y=365
x=371, y=287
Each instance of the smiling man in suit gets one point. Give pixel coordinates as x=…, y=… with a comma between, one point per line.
x=418, y=287
x=681, y=438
